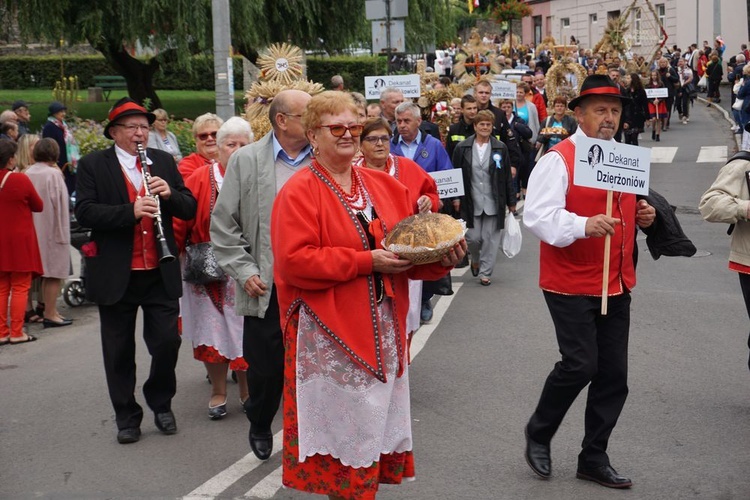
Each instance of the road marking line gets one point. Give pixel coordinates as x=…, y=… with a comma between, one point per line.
x=422, y=335
x=712, y=154
x=663, y=154
x=266, y=487
x=226, y=478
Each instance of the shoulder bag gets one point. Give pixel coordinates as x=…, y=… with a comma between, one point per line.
x=201, y=266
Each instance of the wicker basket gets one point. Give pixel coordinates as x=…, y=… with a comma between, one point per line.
x=418, y=257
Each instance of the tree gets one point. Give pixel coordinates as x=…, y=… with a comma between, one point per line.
x=177, y=29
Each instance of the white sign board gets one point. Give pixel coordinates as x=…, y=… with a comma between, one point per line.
x=408, y=84
x=375, y=9
x=380, y=37
x=612, y=166
x=450, y=183
x=503, y=90
x=660, y=93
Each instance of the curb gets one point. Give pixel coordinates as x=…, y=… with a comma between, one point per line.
x=727, y=117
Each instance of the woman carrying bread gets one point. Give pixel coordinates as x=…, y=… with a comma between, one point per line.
x=376, y=154
x=343, y=300
x=485, y=165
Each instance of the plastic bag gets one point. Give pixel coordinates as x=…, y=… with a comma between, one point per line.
x=511, y=239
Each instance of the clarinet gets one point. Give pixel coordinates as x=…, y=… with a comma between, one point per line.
x=162, y=249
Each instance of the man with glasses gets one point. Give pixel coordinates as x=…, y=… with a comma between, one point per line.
x=123, y=272
x=241, y=239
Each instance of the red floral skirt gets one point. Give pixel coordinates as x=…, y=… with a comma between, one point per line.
x=208, y=354
x=323, y=474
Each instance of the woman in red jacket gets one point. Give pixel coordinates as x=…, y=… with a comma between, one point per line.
x=19, y=251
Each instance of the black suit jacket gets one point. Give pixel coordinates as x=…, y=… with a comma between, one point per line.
x=102, y=204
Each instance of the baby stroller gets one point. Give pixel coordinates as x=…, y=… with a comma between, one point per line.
x=74, y=293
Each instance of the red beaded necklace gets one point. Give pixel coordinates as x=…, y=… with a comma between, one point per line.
x=356, y=200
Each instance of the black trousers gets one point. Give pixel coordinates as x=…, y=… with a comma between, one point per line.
x=594, y=352
x=160, y=314
x=745, y=285
x=682, y=102
x=263, y=349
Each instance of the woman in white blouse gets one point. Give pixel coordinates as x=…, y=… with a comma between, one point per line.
x=163, y=139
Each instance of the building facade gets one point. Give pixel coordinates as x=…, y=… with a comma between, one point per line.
x=685, y=21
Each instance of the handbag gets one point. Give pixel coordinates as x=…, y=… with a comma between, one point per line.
x=738, y=103
x=201, y=266
x=703, y=82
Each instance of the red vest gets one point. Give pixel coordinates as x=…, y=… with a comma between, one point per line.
x=144, y=236
x=578, y=268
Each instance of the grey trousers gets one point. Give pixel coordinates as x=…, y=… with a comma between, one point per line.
x=484, y=242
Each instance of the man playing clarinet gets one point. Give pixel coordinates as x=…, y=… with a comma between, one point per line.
x=126, y=268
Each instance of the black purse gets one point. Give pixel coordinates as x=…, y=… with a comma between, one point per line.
x=201, y=267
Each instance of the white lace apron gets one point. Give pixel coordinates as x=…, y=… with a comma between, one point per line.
x=344, y=411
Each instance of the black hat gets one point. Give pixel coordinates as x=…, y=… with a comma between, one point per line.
x=600, y=85
x=126, y=107
x=56, y=107
x=19, y=104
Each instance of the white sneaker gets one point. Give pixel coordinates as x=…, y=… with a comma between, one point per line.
x=735, y=128
x=684, y=121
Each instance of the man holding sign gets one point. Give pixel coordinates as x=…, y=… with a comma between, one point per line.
x=572, y=223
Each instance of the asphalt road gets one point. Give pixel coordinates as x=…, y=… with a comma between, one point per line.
x=684, y=432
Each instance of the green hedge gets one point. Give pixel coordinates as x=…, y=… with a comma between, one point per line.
x=352, y=69
x=23, y=72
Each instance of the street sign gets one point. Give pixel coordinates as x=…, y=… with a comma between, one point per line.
x=611, y=166
x=380, y=37
x=659, y=93
x=450, y=183
x=375, y=9
x=503, y=89
x=409, y=85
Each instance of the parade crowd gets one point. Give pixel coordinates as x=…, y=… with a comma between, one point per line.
x=265, y=254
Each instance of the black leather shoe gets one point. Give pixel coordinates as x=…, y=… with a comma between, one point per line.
x=48, y=323
x=129, y=435
x=604, y=475
x=262, y=444
x=538, y=457
x=165, y=422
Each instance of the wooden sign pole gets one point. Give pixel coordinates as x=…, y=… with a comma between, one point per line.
x=607, y=245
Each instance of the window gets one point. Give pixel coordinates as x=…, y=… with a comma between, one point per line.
x=661, y=13
x=548, y=26
x=637, y=26
x=537, y=29
x=565, y=22
x=613, y=14
x=592, y=18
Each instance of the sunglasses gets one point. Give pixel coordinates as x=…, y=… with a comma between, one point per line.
x=374, y=139
x=340, y=130
x=204, y=136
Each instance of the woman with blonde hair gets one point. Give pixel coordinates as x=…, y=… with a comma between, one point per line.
x=25, y=153
x=205, y=128
x=161, y=138
x=346, y=369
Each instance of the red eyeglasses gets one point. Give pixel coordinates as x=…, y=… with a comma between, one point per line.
x=204, y=136
x=340, y=130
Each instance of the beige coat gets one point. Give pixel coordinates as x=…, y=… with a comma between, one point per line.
x=52, y=224
x=727, y=201
x=241, y=222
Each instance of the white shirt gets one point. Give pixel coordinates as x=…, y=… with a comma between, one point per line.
x=127, y=162
x=544, y=212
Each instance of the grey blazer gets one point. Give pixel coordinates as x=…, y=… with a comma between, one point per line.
x=241, y=222
x=155, y=142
